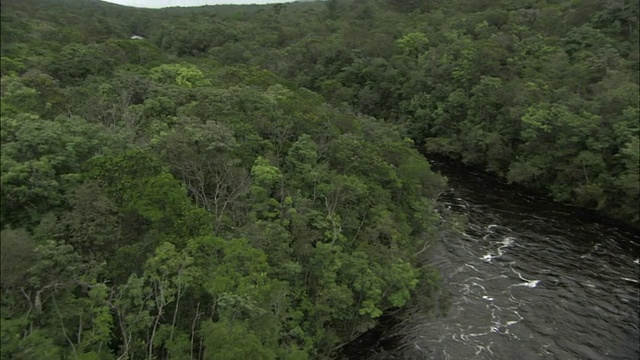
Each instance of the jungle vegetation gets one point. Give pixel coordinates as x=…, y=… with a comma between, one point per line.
x=247, y=181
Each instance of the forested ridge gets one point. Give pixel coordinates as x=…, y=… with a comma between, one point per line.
x=163, y=206
x=244, y=182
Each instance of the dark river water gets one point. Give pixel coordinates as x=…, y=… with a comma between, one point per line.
x=528, y=279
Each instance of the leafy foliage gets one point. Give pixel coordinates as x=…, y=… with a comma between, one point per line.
x=244, y=181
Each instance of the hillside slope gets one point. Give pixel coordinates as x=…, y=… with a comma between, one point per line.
x=542, y=93
x=164, y=206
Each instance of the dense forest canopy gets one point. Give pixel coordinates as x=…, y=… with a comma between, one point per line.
x=245, y=181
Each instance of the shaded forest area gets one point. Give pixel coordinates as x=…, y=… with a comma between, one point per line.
x=245, y=182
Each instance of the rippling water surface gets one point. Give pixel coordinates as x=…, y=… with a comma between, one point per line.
x=529, y=279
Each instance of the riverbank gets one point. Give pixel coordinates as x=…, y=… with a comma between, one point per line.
x=528, y=278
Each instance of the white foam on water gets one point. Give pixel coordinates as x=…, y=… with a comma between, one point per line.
x=487, y=258
x=467, y=337
x=530, y=284
x=471, y=266
x=506, y=242
x=496, y=328
x=480, y=286
x=481, y=349
x=478, y=334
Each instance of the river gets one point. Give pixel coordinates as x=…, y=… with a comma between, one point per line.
x=527, y=278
